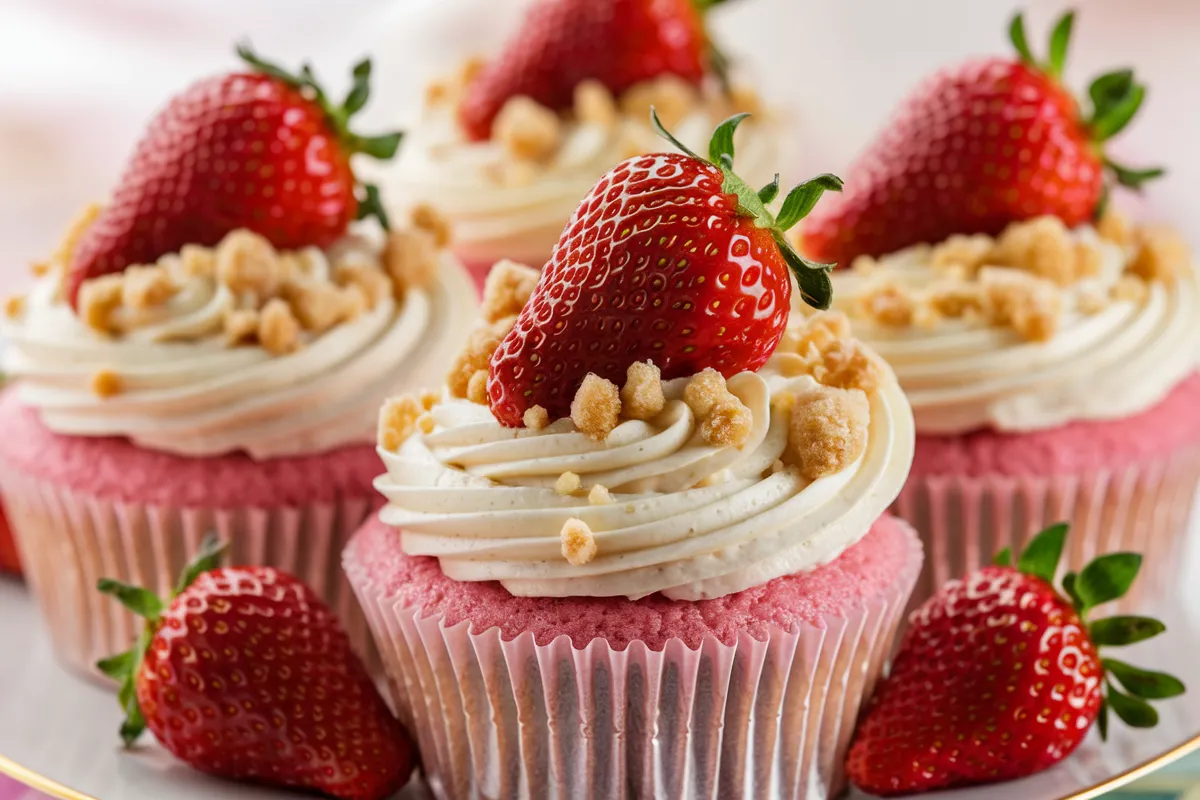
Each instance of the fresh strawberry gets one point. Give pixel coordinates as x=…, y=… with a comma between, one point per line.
x=998, y=676
x=670, y=258
x=9, y=560
x=247, y=675
x=564, y=42
x=264, y=150
x=976, y=147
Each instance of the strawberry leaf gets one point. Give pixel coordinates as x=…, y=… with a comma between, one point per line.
x=1016, y=34
x=118, y=667
x=661, y=130
x=769, y=192
x=1123, y=630
x=140, y=601
x=1108, y=90
x=1068, y=584
x=1107, y=578
x=802, y=198
x=720, y=145
x=1133, y=178
x=370, y=205
x=1119, y=114
x=207, y=558
x=816, y=288
x=1003, y=558
x=1102, y=720
x=360, y=91
x=1144, y=683
x=1133, y=711
x=1060, y=40
x=1040, y=557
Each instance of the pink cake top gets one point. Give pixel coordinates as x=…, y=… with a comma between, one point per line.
x=115, y=469
x=887, y=559
x=1079, y=447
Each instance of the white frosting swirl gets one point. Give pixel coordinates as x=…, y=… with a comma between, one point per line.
x=962, y=376
x=491, y=220
x=688, y=519
x=202, y=398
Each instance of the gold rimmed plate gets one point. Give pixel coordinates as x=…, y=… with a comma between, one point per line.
x=58, y=733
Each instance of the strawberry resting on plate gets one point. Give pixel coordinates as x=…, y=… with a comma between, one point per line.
x=246, y=674
x=999, y=675
x=562, y=43
x=263, y=150
x=671, y=258
x=978, y=146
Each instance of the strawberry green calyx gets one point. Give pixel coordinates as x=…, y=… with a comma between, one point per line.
x=812, y=277
x=1115, y=96
x=1103, y=580
x=124, y=667
x=382, y=146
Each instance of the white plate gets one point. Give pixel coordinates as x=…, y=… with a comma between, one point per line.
x=59, y=734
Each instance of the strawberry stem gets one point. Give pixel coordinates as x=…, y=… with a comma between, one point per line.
x=813, y=278
x=124, y=667
x=382, y=146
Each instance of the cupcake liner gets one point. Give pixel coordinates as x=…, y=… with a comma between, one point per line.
x=1143, y=507
x=514, y=719
x=69, y=540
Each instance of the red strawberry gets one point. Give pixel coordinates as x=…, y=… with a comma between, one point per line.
x=564, y=42
x=670, y=258
x=976, y=147
x=247, y=675
x=998, y=676
x=9, y=560
x=263, y=150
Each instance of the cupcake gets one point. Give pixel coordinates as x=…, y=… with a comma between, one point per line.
x=506, y=147
x=208, y=351
x=1048, y=347
x=638, y=547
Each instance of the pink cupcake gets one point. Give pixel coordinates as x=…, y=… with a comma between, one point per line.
x=183, y=363
x=661, y=608
x=1061, y=385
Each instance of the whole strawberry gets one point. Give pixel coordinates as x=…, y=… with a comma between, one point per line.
x=247, y=675
x=670, y=258
x=262, y=149
x=978, y=146
x=564, y=42
x=998, y=676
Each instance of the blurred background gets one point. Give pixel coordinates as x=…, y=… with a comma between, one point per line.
x=78, y=78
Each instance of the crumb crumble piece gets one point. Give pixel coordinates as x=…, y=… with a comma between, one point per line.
x=278, y=329
x=705, y=389
x=477, y=387
x=827, y=430
x=728, y=424
x=144, y=287
x=536, y=418
x=567, y=483
x=578, y=543
x=527, y=129
x=40, y=269
x=844, y=364
x=247, y=263
x=98, y=298
x=1113, y=226
x=372, y=283
x=14, y=306
x=398, y=420
x=425, y=423
x=107, y=383
x=1091, y=301
x=596, y=408
x=888, y=304
x=599, y=496
x=507, y=289
x=1130, y=289
x=70, y=241
x=819, y=330
x=411, y=259
x=595, y=104
x=240, y=326
x=429, y=399
x=429, y=219
x=955, y=300
x=1024, y=303
x=961, y=255
x=671, y=96
x=481, y=344
x=642, y=395
x=1161, y=255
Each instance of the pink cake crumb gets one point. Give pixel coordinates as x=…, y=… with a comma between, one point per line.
x=114, y=468
x=1075, y=448
x=888, y=552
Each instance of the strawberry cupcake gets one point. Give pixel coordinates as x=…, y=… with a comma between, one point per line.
x=508, y=146
x=638, y=547
x=207, y=351
x=1048, y=347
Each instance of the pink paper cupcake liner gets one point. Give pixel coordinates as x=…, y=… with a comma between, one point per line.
x=1143, y=507
x=757, y=718
x=70, y=540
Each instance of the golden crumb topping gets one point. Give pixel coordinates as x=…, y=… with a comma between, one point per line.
x=507, y=289
x=578, y=544
x=642, y=395
x=596, y=408
x=827, y=430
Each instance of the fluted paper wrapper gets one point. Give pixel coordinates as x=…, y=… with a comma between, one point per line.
x=69, y=540
x=1143, y=508
x=512, y=719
